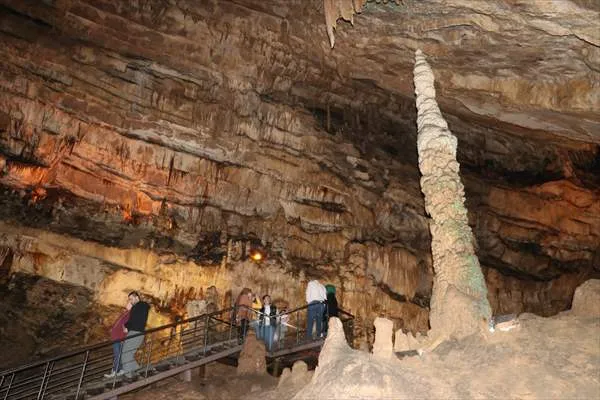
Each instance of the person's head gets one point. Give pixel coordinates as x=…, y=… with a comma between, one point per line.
x=266, y=299
x=134, y=297
x=246, y=292
x=330, y=289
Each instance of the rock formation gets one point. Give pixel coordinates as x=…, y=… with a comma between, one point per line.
x=344, y=9
x=384, y=331
x=152, y=145
x=364, y=376
x=586, y=300
x=252, y=359
x=405, y=342
x=459, y=304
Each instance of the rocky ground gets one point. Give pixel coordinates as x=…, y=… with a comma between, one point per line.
x=544, y=358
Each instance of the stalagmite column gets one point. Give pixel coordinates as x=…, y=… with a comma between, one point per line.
x=459, y=304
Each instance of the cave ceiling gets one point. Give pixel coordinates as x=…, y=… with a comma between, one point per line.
x=179, y=124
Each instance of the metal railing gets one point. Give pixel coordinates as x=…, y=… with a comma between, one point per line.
x=88, y=371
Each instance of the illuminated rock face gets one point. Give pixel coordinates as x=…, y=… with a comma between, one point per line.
x=154, y=146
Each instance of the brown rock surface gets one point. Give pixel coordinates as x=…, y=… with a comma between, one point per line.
x=586, y=301
x=152, y=144
x=252, y=359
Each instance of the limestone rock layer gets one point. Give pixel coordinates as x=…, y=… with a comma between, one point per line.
x=155, y=144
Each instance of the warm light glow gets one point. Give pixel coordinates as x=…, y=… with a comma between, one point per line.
x=127, y=217
x=256, y=255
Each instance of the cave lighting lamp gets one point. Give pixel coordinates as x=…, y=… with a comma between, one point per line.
x=256, y=255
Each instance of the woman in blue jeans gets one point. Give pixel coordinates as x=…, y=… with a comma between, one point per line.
x=268, y=320
x=117, y=334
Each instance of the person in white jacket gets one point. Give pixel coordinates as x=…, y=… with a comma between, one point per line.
x=316, y=295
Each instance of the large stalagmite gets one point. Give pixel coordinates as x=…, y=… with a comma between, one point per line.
x=459, y=304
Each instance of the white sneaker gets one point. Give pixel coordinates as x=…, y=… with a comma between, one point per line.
x=111, y=375
x=121, y=372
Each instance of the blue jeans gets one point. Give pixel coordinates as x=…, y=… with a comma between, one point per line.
x=117, y=364
x=315, y=314
x=255, y=325
x=130, y=346
x=267, y=335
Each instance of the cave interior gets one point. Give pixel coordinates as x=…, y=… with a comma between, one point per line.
x=154, y=145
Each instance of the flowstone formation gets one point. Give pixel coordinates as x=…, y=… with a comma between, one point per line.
x=459, y=304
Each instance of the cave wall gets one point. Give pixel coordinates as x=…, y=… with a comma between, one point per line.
x=148, y=145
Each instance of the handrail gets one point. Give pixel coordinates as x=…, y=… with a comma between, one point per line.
x=72, y=370
x=346, y=313
x=146, y=332
x=110, y=342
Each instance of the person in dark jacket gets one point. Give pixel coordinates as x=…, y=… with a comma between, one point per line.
x=134, y=328
x=331, y=305
x=268, y=321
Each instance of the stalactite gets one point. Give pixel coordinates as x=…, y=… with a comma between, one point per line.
x=459, y=304
x=345, y=9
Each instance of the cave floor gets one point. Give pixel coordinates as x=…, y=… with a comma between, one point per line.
x=544, y=358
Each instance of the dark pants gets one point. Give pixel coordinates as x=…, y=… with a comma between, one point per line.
x=243, y=329
x=315, y=314
x=325, y=319
x=117, y=364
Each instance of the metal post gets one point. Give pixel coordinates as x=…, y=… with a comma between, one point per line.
x=39, y=396
x=276, y=366
x=48, y=380
x=180, y=341
x=206, y=319
x=149, y=356
x=230, y=330
x=12, y=378
x=195, y=334
x=186, y=375
x=87, y=355
x=298, y=327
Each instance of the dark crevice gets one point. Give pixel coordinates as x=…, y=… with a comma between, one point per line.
x=418, y=299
